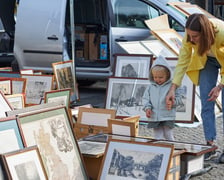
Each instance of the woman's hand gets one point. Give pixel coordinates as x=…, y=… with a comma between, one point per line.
x=214, y=93
x=170, y=97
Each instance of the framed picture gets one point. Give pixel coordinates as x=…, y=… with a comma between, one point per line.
x=17, y=101
x=9, y=74
x=136, y=66
x=18, y=85
x=133, y=47
x=36, y=86
x=11, y=138
x=95, y=116
x=6, y=86
x=6, y=69
x=26, y=71
x=120, y=127
x=135, y=160
x=65, y=76
x=170, y=37
x=51, y=130
x=4, y=105
x=185, y=112
x=125, y=96
x=24, y=164
x=158, y=48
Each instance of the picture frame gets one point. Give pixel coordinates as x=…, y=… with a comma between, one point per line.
x=6, y=86
x=170, y=37
x=125, y=96
x=135, y=155
x=17, y=101
x=36, y=86
x=9, y=74
x=4, y=105
x=26, y=71
x=24, y=164
x=18, y=85
x=95, y=116
x=51, y=130
x=134, y=65
x=65, y=77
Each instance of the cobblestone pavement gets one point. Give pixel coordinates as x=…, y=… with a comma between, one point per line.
x=196, y=135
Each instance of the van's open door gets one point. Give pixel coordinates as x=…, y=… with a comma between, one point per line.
x=39, y=33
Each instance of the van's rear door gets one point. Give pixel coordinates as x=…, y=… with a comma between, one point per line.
x=39, y=33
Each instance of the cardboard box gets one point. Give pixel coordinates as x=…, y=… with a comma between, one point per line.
x=93, y=46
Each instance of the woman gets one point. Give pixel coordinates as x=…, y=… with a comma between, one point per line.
x=202, y=58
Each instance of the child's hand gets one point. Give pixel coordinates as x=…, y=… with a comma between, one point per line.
x=148, y=113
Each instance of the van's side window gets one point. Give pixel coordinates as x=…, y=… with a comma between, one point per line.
x=132, y=13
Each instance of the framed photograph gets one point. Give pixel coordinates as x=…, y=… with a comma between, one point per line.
x=125, y=96
x=6, y=86
x=17, y=101
x=135, y=160
x=185, y=112
x=11, y=138
x=158, y=48
x=24, y=164
x=65, y=76
x=36, y=86
x=4, y=105
x=51, y=130
x=95, y=116
x=170, y=37
x=133, y=47
x=136, y=66
x=26, y=71
x=120, y=127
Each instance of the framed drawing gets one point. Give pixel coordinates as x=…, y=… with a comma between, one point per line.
x=185, y=112
x=6, y=86
x=65, y=77
x=18, y=85
x=24, y=164
x=157, y=48
x=133, y=47
x=136, y=66
x=4, y=105
x=36, y=86
x=51, y=130
x=135, y=160
x=11, y=138
x=170, y=37
x=95, y=116
x=125, y=96
x=17, y=101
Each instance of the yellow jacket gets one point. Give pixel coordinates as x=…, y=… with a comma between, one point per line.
x=191, y=63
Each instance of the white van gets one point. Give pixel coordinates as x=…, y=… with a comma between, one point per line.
x=83, y=30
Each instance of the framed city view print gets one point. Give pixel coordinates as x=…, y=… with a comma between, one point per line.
x=17, y=101
x=170, y=37
x=6, y=86
x=36, y=86
x=24, y=164
x=144, y=160
x=125, y=96
x=65, y=77
x=4, y=105
x=136, y=66
x=158, y=48
x=51, y=130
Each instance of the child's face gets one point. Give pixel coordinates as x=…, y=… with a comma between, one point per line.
x=159, y=77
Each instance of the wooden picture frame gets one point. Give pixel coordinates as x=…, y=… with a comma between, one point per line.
x=95, y=116
x=51, y=130
x=158, y=48
x=17, y=101
x=24, y=164
x=4, y=105
x=6, y=86
x=36, y=86
x=26, y=71
x=125, y=96
x=18, y=85
x=65, y=77
x=9, y=74
x=135, y=65
x=170, y=37
x=155, y=158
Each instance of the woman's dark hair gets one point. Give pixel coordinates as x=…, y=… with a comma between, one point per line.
x=200, y=23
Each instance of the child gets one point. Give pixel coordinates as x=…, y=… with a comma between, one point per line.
x=161, y=116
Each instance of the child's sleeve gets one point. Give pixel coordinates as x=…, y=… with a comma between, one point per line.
x=146, y=99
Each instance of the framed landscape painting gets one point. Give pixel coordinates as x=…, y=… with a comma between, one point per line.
x=51, y=130
x=135, y=160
